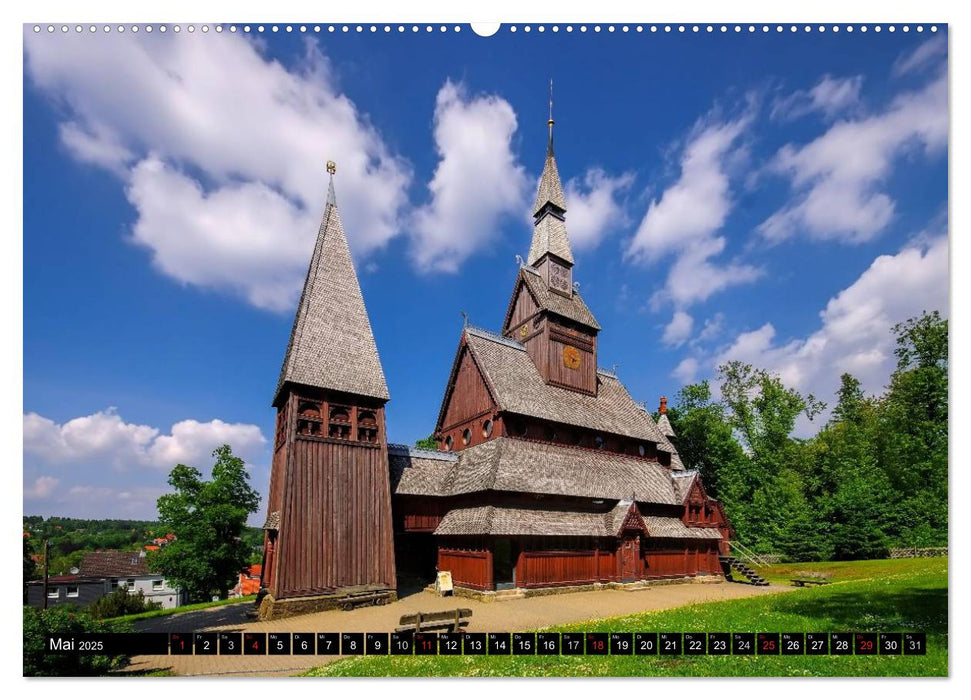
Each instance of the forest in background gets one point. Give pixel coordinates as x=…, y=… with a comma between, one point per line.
x=72, y=538
x=875, y=476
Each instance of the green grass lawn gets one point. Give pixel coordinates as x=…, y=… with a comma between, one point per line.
x=908, y=595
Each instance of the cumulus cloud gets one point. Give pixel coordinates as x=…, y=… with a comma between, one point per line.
x=105, y=438
x=836, y=179
x=42, y=487
x=678, y=330
x=477, y=180
x=685, y=220
x=594, y=207
x=687, y=370
x=713, y=327
x=829, y=97
x=855, y=332
x=237, y=140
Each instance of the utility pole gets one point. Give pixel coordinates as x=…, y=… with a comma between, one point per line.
x=47, y=569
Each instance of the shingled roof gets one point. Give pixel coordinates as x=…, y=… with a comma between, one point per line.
x=549, y=236
x=495, y=520
x=550, y=191
x=331, y=343
x=417, y=472
x=572, y=307
x=521, y=466
x=664, y=425
x=658, y=526
x=518, y=387
x=113, y=564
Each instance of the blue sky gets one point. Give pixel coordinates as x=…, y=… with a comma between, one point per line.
x=777, y=198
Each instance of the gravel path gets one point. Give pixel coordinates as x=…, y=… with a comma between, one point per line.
x=506, y=616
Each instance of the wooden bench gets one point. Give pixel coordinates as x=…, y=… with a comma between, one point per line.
x=451, y=620
x=801, y=582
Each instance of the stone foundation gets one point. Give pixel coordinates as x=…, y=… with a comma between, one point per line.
x=516, y=593
x=272, y=609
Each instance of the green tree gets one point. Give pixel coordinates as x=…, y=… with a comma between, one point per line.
x=208, y=519
x=705, y=440
x=428, y=443
x=913, y=440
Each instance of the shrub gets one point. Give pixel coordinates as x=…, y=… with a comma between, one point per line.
x=121, y=602
x=63, y=619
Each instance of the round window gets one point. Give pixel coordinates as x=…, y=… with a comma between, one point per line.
x=466, y=436
x=641, y=450
x=487, y=428
x=599, y=442
x=448, y=443
x=549, y=434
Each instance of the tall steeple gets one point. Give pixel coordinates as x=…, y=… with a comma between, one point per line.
x=550, y=249
x=331, y=343
x=546, y=313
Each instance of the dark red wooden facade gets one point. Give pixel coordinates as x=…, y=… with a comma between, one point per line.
x=330, y=487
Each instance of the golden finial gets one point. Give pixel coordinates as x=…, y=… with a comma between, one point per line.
x=331, y=167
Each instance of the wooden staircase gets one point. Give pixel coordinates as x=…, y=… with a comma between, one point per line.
x=730, y=564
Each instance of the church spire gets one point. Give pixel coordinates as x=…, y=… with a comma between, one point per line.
x=549, y=211
x=331, y=343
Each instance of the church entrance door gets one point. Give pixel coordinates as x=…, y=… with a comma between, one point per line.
x=630, y=547
x=503, y=566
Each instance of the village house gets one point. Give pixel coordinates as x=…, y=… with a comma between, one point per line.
x=101, y=573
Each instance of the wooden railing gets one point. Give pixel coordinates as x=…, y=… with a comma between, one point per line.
x=746, y=554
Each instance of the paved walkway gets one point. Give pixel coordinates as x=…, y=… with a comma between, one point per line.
x=506, y=616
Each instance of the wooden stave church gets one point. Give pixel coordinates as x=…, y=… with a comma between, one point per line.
x=548, y=473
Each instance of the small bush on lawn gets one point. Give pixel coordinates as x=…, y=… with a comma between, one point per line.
x=121, y=602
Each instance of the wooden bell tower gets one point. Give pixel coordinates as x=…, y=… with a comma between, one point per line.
x=328, y=530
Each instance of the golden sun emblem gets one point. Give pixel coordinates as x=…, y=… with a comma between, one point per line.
x=571, y=357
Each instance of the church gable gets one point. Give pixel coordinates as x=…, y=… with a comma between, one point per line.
x=522, y=307
x=467, y=394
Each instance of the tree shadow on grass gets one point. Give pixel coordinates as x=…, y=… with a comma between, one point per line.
x=920, y=609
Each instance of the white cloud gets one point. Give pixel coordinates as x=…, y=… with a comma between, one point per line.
x=927, y=54
x=477, y=180
x=678, y=330
x=104, y=438
x=837, y=177
x=42, y=487
x=855, y=333
x=684, y=221
x=687, y=370
x=830, y=96
x=240, y=139
x=713, y=327
x=593, y=206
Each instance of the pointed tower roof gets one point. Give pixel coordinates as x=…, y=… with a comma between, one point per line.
x=331, y=343
x=549, y=235
x=550, y=190
x=662, y=422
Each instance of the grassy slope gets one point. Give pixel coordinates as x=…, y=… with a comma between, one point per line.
x=184, y=609
x=887, y=596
